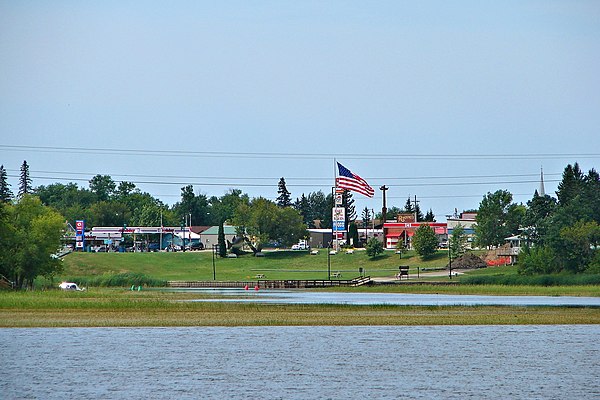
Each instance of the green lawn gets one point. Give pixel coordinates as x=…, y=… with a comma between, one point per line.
x=275, y=265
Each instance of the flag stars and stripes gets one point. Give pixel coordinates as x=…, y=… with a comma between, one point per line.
x=349, y=181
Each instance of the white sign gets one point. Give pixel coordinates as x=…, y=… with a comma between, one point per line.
x=339, y=199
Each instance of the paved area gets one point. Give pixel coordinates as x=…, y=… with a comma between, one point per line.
x=413, y=277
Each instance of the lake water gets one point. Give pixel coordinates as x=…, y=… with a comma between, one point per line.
x=376, y=362
x=402, y=299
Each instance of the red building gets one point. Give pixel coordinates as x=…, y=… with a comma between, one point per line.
x=405, y=227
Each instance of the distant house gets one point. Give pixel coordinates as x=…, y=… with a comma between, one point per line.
x=468, y=220
x=210, y=236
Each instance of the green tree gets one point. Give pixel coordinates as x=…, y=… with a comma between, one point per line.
x=458, y=242
x=497, y=218
x=366, y=219
x=36, y=232
x=125, y=189
x=408, y=207
x=103, y=187
x=348, y=204
x=284, y=199
x=424, y=241
x=537, y=260
x=430, y=216
x=353, y=235
x=303, y=208
x=190, y=203
x=223, y=208
x=400, y=247
x=262, y=221
x=221, y=241
x=571, y=184
x=374, y=247
x=580, y=243
x=539, y=209
x=24, y=180
x=5, y=192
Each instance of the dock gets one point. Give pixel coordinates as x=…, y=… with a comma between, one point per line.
x=273, y=284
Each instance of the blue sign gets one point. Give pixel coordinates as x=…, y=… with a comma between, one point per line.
x=339, y=226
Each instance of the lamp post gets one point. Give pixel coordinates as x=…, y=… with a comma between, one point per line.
x=449, y=250
x=214, y=248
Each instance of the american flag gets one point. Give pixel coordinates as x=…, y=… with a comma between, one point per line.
x=348, y=180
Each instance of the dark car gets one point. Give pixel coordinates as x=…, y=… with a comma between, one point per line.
x=197, y=246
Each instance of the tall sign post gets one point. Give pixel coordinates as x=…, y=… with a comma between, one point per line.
x=80, y=234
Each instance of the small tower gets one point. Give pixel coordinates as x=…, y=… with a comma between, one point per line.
x=542, y=192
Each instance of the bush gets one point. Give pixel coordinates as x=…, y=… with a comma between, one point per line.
x=537, y=280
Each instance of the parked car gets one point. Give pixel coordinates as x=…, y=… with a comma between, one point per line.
x=197, y=246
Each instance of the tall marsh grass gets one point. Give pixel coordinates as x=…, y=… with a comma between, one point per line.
x=118, y=280
x=533, y=280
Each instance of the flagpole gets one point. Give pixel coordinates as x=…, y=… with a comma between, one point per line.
x=333, y=194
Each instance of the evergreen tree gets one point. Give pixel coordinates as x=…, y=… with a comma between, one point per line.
x=418, y=213
x=348, y=204
x=24, y=181
x=221, y=241
x=5, y=193
x=353, y=235
x=303, y=207
x=571, y=184
x=366, y=217
x=284, y=199
x=430, y=216
x=408, y=207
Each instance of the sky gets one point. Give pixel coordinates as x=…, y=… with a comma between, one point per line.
x=445, y=101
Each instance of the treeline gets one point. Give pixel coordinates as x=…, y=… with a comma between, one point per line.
x=559, y=234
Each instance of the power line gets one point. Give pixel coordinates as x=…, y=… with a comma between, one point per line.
x=410, y=178
x=212, y=154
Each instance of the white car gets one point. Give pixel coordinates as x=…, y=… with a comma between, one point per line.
x=70, y=286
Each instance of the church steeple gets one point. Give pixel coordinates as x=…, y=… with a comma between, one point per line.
x=542, y=192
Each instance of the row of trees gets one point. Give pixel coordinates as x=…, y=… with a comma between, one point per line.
x=559, y=234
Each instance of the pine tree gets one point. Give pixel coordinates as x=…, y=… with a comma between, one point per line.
x=571, y=184
x=221, y=241
x=366, y=219
x=418, y=213
x=24, y=181
x=408, y=207
x=348, y=204
x=430, y=216
x=284, y=199
x=5, y=193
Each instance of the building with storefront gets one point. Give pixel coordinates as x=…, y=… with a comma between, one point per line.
x=404, y=228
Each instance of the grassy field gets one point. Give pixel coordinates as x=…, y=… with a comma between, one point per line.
x=275, y=265
x=118, y=307
x=121, y=307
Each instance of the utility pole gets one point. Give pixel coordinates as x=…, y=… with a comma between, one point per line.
x=383, y=215
x=416, y=202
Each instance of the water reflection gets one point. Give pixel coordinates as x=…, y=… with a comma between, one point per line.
x=312, y=297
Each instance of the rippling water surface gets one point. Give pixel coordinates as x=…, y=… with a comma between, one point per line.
x=457, y=362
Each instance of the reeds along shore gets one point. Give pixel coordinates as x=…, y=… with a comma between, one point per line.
x=112, y=307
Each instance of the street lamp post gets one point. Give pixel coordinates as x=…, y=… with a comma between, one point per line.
x=449, y=250
x=214, y=248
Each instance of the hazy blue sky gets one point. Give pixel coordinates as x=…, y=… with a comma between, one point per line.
x=443, y=100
